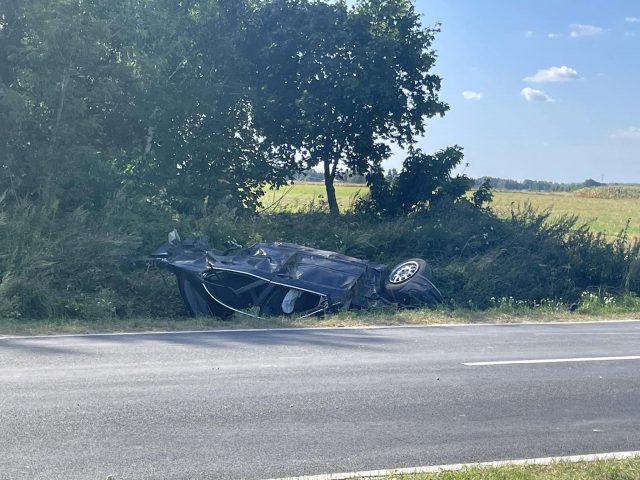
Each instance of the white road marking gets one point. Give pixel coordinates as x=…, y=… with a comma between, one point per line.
x=552, y=360
x=463, y=466
x=555, y=334
x=295, y=329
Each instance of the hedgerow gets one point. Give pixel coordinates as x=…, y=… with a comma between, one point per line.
x=84, y=264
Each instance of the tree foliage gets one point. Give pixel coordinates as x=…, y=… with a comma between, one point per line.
x=64, y=101
x=424, y=180
x=146, y=96
x=188, y=103
x=335, y=85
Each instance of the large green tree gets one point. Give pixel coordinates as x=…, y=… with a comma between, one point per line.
x=192, y=101
x=336, y=85
x=66, y=97
x=200, y=143
x=150, y=96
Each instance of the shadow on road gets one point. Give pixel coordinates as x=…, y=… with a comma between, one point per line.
x=329, y=339
x=216, y=340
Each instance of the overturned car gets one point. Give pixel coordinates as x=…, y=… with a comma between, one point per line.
x=286, y=279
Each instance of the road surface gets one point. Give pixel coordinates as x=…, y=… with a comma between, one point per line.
x=272, y=404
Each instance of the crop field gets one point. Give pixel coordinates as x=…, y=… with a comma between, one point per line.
x=606, y=215
x=311, y=196
x=604, y=211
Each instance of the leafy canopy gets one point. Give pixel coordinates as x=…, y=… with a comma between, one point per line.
x=336, y=85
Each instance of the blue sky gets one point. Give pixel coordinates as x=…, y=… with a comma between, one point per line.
x=552, y=87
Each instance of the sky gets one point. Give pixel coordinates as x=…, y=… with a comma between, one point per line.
x=538, y=89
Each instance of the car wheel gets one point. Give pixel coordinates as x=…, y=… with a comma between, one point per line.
x=409, y=286
x=405, y=271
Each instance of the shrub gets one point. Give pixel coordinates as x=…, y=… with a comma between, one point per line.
x=79, y=264
x=475, y=255
x=424, y=181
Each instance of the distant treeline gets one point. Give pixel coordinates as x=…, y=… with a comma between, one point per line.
x=495, y=183
x=536, y=185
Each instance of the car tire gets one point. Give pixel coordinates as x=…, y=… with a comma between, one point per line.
x=405, y=271
x=409, y=286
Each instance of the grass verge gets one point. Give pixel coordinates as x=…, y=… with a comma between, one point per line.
x=627, y=469
x=378, y=317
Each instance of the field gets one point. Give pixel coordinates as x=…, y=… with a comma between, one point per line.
x=306, y=195
x=606, y=215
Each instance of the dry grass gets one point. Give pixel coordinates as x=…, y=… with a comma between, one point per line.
x=311, y=195
x=616, y=192
x=379, y=317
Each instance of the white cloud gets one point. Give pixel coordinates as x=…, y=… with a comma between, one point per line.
x=470, y=95
x=631, y=133
x=533, y=95
x=632, y=20
x=553, y=74
x=579, y=30
x=528, y=34
x=554, y=35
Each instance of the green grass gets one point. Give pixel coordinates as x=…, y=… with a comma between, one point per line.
x=628, y=469
x=605, y=215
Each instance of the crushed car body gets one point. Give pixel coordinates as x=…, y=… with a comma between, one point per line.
x=268, y=279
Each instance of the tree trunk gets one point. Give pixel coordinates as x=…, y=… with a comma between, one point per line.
x=329, y=177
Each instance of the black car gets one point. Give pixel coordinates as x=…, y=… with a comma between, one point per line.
x=286, y=279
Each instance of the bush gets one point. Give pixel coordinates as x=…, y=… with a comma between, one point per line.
x=424, y=181
x=475, y=256
x=78, y=264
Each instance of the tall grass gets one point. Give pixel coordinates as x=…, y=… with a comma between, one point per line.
x=475, y=255
x=79, y=264
x=56, y=263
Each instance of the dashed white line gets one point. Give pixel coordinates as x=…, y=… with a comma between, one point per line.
x=462, y=466
x=551, y=360
x=555, y=334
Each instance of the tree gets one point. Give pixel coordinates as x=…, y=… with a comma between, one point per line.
x=149, y=96
x=336, y=85
x=199, y=145
x=58, y=77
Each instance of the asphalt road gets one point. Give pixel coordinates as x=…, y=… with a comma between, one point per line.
x=281, y=403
